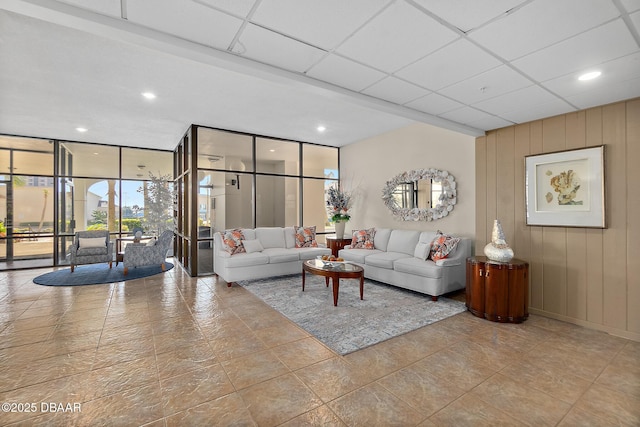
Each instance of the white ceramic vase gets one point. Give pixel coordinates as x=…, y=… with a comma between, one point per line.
x=498, y=250
x=340, y=229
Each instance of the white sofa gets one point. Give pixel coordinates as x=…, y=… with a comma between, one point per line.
x=392, y=261
x=279, y=255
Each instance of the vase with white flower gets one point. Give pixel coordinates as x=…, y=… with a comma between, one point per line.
x=338, y=205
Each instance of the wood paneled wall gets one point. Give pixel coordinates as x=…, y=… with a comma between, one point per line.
x=581, y=275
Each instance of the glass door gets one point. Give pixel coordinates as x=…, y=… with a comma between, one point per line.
x=29, y=224
x=4, y=220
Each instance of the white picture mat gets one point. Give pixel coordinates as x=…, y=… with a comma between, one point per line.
x=586, y=205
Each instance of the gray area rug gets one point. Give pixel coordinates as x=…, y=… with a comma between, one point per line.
x=385, y=312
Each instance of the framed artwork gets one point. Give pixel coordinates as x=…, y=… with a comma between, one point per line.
x=566, y=188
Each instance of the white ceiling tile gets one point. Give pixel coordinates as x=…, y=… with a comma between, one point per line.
x=272, y=48
x=489, y=84
x=490, y=123
x=434, y=104
x=621, y=69
x=534, y=95
x=616, y=91
x=540, y=103
x=236, y=7
x=398, y=36
x=467, y=15
x=395, y=90
x=104, y=7
x=542, y=23
x=187, y=20
x=345, y=73
x=635, y=20
x=529, y=113
x=451, y=64
x=466, y=115
x=631, y=5
x=321, y=23
x=610, y=41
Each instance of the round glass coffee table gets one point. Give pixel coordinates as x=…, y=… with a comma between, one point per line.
x=335, y=271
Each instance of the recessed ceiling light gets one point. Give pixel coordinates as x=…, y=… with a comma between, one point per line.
x=589, y=76
x=321, y=128
x=82, y=129
x=149, y=95
x=272, y=151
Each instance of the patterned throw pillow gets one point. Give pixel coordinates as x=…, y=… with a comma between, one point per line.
x=306, y=237
x=363, y=239
x=442, y=246
x=232, y=241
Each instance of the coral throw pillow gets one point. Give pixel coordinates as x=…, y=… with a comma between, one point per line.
x=232, y=241
x=442, y=246
x=306, y=237
x=363, y=239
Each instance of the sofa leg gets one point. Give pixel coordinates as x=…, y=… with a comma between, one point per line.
x=229, y=284
x=434, y=298
x=110, y=263
x=163, y=267
x=126, y=270
x=73, y=267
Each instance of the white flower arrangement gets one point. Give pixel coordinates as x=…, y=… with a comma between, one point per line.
x=338, y=204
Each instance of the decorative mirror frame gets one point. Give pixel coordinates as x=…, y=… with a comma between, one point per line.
x=447, y=200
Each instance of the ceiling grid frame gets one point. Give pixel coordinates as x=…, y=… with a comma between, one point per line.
x=299, y=98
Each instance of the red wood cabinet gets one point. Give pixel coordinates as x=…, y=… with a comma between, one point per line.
x=498, y=291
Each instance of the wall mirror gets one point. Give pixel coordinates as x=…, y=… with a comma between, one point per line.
x=420, y=195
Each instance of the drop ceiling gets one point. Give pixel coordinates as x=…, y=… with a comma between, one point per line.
x=283, y=67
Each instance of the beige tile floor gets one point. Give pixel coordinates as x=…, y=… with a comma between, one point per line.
x=178, y=351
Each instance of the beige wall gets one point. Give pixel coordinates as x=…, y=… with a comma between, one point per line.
x=367, y=165
x=580, y=275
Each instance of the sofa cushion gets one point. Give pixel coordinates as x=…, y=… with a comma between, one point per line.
x=271, y=237
x=92, y=251
x=381, y=239
x=363, y=239
x=427, y=237
x=306, y=237
x=232, y=241
x=384, y=259
x=251, y=246
x=403, y=241
x=418, y=267
x=422, y=250
x=277, y=255
x=249, y=233
x=357, y=255
x=246, y=260
x=442, y=246
x=290, y=237
x=310, y=253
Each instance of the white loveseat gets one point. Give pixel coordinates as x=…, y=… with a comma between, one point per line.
x=393, y=260
x=276, y=254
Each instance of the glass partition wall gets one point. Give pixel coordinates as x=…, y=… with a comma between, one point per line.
x=50, y=189
x=214, y=180
x=230, y=180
